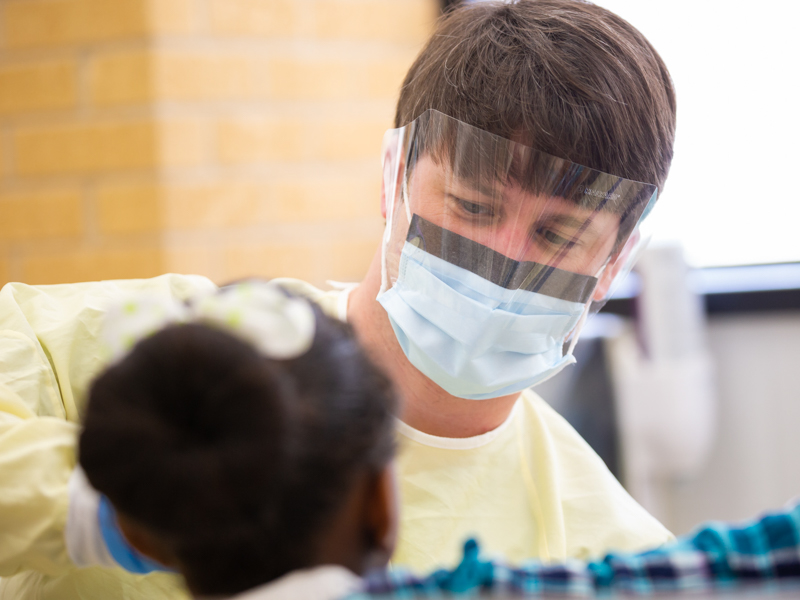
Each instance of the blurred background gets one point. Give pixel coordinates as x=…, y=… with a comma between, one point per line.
x=222, y=137
x=234, y=138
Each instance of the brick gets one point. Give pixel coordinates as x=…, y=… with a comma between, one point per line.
x=85, y=148
x=214, y=206
x=5, y=163
x=171, y=16
x=43, y=214
x=141, y=76
x=147, y=207
x=304, y=78
x=385, y=77
x=341, y=139
x=331, y=199
x=272, y=18
x=270, y=260
x=122, y=78
x=5, y=272
x=384, y=20
x=139, y=208
x=38, y=86
x=257, y=140
x=350, y=260
x=232, y=204
x=49, y=23
x=194, y=259
x=90, y=265
x=133, y=208
x=187, y=76
x=183, y=142
x=295, y=79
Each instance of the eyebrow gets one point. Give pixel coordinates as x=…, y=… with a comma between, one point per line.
x=476, y=185
x=562, y=219
x=567, y=220
x=586, y=225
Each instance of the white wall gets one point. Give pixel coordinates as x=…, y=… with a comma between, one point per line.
x=755, y=461
x=734, y=64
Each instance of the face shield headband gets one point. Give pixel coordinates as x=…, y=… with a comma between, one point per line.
x=495, y=253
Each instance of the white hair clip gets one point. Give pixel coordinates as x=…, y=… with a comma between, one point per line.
x=260, y=313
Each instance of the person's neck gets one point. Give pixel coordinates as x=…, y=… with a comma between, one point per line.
x=426, y=406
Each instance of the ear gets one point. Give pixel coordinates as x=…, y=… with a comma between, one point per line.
x=145, y=542
x=382, y=516
x=607, y=278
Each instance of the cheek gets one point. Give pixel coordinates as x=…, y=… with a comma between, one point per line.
x=594, y=256
x=431, y=210
x=581, y=260
x=599, y=255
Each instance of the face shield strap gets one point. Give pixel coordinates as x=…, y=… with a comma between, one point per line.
x=590, y=309
x=573, y=340
x=497, y=268
x=629, y=254
x=392, y=149
x=650, y=204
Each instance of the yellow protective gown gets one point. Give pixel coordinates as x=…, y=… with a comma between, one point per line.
x=532, y=488
x=49, y=352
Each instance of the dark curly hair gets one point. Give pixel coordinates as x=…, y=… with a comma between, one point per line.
x=233, y=459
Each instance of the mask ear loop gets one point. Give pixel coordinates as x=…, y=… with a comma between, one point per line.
x=578, y=328
x=576, y=332
x=638, y=242
x=636, y=250
x=629, y=262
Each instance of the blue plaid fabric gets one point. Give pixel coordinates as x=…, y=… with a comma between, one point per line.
x=715, y=555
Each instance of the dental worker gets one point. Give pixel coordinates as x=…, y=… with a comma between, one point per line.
x=532, y=138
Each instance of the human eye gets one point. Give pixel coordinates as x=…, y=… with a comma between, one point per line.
x=555, y=239
x=473, y=209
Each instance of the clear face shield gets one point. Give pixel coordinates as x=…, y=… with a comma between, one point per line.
x=494, y=253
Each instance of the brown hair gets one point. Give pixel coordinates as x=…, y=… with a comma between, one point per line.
x=566, y=77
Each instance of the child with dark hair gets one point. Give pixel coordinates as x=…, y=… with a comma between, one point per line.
x=236, y=459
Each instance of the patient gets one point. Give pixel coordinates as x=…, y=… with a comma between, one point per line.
x=249, y=444
x=241, y=466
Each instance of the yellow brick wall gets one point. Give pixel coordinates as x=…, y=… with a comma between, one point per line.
x=224, y=137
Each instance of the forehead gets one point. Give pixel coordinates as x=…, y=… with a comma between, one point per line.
x=485, y=161
x=431, y=180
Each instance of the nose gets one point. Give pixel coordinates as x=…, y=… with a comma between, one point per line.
x=512, y=239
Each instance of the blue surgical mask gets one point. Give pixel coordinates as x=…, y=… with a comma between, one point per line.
x=474, y=338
